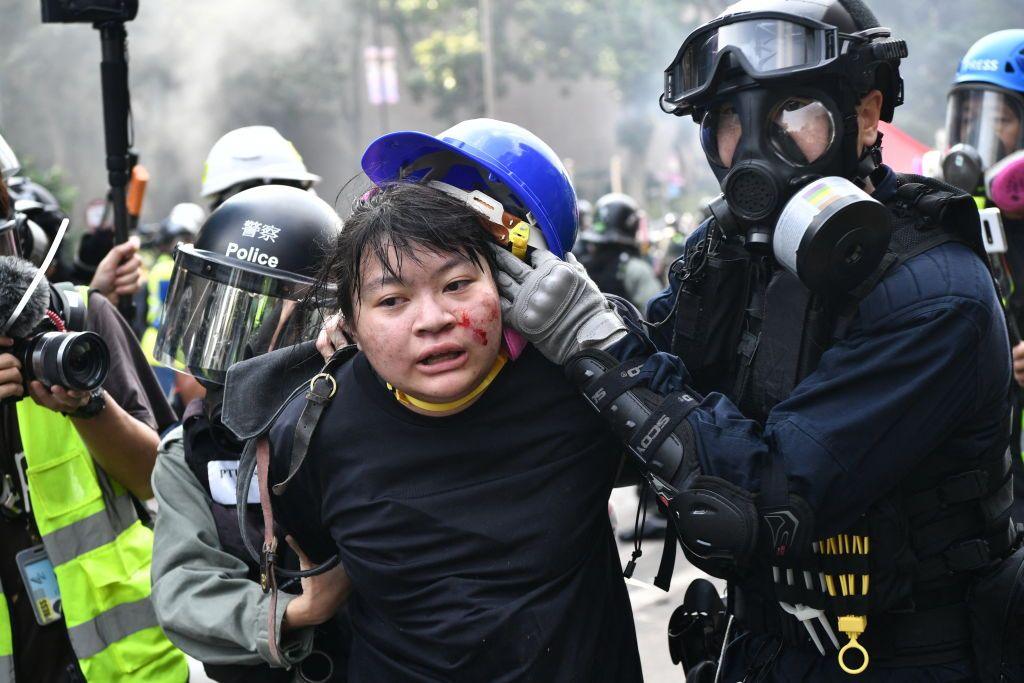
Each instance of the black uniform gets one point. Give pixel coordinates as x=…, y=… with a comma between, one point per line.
x=478, y=545
x=892, y=422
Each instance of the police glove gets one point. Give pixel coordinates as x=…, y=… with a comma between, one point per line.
x=555, y=305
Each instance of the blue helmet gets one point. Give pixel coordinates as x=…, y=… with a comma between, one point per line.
x=985, y=110
x=996, y=59
x=500, y=159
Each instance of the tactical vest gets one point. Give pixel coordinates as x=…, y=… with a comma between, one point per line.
x=204, y=443
x=756, y=354
x=101, y=555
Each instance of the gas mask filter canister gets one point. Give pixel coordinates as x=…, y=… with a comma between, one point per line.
x=832, y=235
x=1004, y=183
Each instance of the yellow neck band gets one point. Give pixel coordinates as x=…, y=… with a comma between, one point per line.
x=413, y=402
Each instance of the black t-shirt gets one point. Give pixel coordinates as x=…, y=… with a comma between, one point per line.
x=478, y=544
x=43, y=653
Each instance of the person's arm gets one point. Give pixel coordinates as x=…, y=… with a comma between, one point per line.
x=122, y=437
x=202, y=596
x=928, y=348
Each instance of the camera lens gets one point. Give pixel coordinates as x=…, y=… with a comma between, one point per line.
x=73, y=360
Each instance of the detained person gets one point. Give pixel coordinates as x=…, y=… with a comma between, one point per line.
x=461, y=479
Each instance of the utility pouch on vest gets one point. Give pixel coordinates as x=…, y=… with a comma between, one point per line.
x=996, y=606
x=705, y=332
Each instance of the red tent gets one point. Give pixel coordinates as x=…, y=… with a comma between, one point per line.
x=900, y=151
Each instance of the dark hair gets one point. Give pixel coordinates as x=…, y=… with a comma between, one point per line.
x=388, y=224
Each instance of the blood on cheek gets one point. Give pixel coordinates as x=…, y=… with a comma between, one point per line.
x=479, y=335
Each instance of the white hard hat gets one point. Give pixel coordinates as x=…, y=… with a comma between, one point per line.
x=185, y=218
x=9, y=165
x=253, y=153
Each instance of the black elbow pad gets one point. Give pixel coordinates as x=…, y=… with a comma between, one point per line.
x=716, y=523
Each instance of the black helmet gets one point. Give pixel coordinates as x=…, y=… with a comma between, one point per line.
x=244, y=287
x=42, y=217
x=616, y=220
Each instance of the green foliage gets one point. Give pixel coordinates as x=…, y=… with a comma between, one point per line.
x=53, y=179
x=622, y=43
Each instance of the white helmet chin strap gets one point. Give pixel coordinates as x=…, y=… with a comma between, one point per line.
x=493, y=211
x=27, y=296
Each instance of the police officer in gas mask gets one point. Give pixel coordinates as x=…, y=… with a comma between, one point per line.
x=827, y=416
x=241, y=290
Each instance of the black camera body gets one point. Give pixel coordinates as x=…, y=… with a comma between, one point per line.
x=73, y=358
x=88, y=11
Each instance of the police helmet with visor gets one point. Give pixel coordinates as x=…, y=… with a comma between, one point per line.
x=245, y=286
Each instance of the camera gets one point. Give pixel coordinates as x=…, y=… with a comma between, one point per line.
x=71, y=358
x=88, y=11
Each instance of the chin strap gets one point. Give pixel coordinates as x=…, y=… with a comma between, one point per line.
x=414, y=402
x=869, y=163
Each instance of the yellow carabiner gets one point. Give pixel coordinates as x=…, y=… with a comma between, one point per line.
x=853, y=626
x=518, y=237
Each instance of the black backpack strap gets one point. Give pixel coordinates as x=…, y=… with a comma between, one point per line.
x=322, y=388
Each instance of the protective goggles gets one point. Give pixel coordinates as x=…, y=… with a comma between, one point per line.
x=765, y=45
x=987, y=118
x=217, y=315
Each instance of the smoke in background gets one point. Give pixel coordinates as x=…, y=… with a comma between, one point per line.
x=197, y=69
x=583, y=76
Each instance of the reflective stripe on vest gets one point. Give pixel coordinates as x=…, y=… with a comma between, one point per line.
x=6, y=644
x=101, y=555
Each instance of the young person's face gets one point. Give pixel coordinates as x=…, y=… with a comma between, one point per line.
x=435, y=332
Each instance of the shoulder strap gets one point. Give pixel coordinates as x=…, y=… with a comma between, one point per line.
x=258, y=446
x=322, y=388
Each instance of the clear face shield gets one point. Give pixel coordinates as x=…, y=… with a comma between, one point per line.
x=989, y=120
x=218, y=314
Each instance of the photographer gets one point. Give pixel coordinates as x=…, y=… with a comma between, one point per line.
x=71, y=462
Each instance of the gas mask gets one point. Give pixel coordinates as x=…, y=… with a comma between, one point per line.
x=782, y=157
x=776, y=95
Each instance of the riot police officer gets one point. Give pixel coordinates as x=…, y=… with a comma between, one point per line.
x=612, y=253
x=827, y=416
x=241, y=290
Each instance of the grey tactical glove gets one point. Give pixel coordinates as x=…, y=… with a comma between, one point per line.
x=555, y=305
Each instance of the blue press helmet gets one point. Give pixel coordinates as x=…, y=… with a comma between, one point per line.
x=500, y=159
x=985, y=110
x=996, y=59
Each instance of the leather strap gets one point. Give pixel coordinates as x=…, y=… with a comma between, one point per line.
x=268, y=558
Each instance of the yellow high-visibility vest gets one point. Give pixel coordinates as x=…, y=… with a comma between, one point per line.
x=101, y=555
